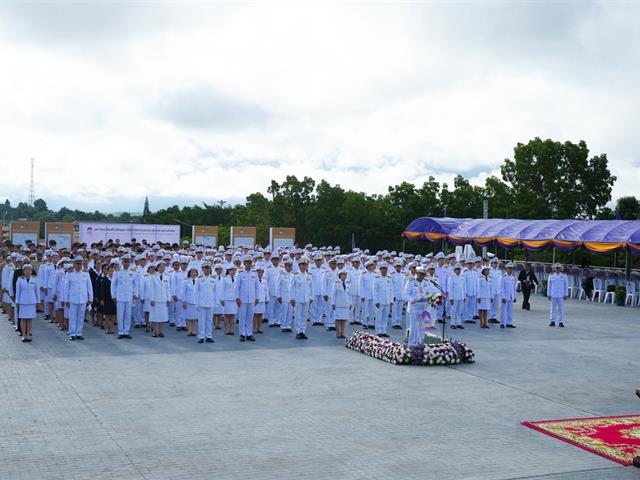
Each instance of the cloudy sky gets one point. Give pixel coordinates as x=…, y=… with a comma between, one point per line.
x=192, y=102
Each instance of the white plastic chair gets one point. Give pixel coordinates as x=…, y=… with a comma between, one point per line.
x=631, y=299
x=597, y=290
x=574, y=288
x=607, y=296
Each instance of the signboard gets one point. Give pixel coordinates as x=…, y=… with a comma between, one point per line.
x=282, y=237
x=124, y=232
x=243, y=236
x=62, y=233
x=20, y=232
x=204, y=236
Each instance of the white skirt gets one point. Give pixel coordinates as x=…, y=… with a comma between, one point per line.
x=259, y=308
x=159, y=313
x=7, y=299
x=190, y=313
x=230, y=307
x=27, y=310
x=342, y=313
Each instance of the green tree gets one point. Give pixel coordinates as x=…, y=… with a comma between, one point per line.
x=628, y=208
x=550, y=179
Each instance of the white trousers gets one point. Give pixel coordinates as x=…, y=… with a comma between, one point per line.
x=382, y=318
x=557, y=310
x=493, y=311
x=506, y=313
x=178, y=314
x=368, y=315
x=286, y=314
x=330, y=314
x=138, y=313
x=456, y=312
x=317, y=308
x=123, y=315
x=205, y=322
x=245, y=319
x=469, y=308
x=300, y=316
x=396, y=312
x=356, y=303
x=273, y=310
x=76, y=318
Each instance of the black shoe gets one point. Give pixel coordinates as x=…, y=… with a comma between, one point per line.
x=364, y=327
x=352, y=323
x=440, y=321
x=26, y=340
x=357, y=323
x=242, y=338
x=259, y=331
x=299, y=336
x=511, y=326
x=72, y=338
x=304, y=336
x=171, y=324
x=315, y=324
x=47, y=317
x=201, y=340
x=120, y=337
x=476, y=317
x=79, y=337
x=273, y=325
x=493, y=320
x=331, y=329
x=399, y=327
x=136, y=325
x=501, y=326
x=453, y=327
x=469, y=321
x=210, y=340
x=265, y=320
x=460, y=327
x=218, y=328
x=251, y=338
x=342, y=336
x=636, y=462
x=552, y=324
x=561, y=325
x=128, y=336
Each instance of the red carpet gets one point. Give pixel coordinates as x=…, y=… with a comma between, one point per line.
x=615, y=438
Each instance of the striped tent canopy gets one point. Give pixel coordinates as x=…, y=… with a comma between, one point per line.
x=598, y=236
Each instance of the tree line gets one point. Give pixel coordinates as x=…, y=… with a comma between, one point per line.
x=544, y=179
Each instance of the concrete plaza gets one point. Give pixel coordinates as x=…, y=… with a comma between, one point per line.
x=281, y=408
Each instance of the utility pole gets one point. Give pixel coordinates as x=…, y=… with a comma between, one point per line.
x=485, y=215
x=31, y=186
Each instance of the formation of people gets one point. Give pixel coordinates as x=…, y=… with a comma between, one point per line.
x=198, y=290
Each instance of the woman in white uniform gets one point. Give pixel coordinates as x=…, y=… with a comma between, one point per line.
x=189, y=305
x=26, y=300
x=263, y=299
x=145, y=292
x=218, y=310
x=229, y=301
x=160, y=296
x=483, y=292
x=341, y=296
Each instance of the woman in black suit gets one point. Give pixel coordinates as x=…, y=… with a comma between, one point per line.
x=107, y=305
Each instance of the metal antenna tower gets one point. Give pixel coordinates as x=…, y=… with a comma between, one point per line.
x=31, y=186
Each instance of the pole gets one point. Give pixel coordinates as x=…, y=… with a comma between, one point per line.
x=627, y=265
x=403, y=242
x=485, y=215
x=553, y=258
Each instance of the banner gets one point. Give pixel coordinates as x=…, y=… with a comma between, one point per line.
x=243, y=236
x=282, y=237
x=20, y=232
x=125, y=232
x=204, y=236
x=62, y=233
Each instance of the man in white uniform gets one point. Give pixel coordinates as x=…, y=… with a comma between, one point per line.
x=124, y=291
x=78, y=294
x=247, y=297
x=557, y=293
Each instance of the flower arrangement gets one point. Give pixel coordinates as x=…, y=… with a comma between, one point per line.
x=447, y=352
x=435, y=300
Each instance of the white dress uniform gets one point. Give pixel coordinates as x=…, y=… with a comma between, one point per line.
x=218, y=309
x=137, y=308
x=417, y=291
x=229, y=295
x=341, y=297
x=58, y=288
x=177, y=281
x=301, y=292
x=330, y=278
x=283, y=292
x=206, y=299
x=557, y=291
x=383, y=294
x=26, y=297
x=7, y=282
x=274, y=308
x=263, y=298
x=484, y=292
x=399, y=280
x=496, y=275
x=470, y=284
x=508, y=297
x=124, y=286
x=160, y=295
x=188, y=296
x=78, y=292
x=368, y=314
x=353, y=275
x=247, y=291
x=318, y=289
x=455, y=296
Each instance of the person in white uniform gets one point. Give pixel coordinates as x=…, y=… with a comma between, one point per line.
x=247, y=295
x=341, y=297
x=26, y=299
x=272, y=274
x=496, y=275
x=383, y=299
x=159, y=298
x=78, y=294
x=283, y=293
x=263, y=299
x=508, y=297
x=124, y=290
x=206, y=299
x=190, y=302
x=557, y=293
x=415, y=294
x=228, y=301
x=484, y=292
x=456, y=295
x=317, y=272
x=301, y=297
x=330, y=277
x=368, y=312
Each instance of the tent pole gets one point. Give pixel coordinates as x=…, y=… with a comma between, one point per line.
x=627, y=265
x=553, y=257
x=403, y=241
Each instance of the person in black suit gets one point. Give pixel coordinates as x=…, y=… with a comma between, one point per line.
x=527, y=281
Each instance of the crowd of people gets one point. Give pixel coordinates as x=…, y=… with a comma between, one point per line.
x=198, y=290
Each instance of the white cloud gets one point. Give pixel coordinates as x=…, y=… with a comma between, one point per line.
x=188, y=103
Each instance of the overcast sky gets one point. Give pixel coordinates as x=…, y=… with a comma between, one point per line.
x=193, y=102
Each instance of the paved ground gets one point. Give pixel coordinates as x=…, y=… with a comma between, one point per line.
x=280, y=408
